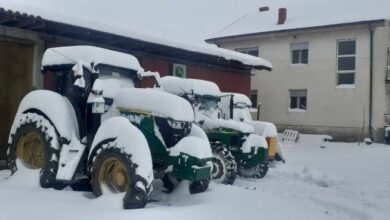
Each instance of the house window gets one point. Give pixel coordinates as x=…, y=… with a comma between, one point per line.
x=346, y=59
x=299, y=53
x=298, y=99
x=254, y=98
x=254, y=51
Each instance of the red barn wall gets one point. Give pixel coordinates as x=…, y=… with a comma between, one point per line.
x=228, y=80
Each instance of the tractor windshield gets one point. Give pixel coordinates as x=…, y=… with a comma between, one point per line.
x=242, y=112
x=115, y=79
x=209, y=102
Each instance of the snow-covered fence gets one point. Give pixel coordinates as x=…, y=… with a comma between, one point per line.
x=290, y=136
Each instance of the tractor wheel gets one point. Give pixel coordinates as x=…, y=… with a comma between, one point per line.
x=114, y=171
x=224, y=166
x=32, y=145
x=199, y=186
x=258, y=171
x=170, y=182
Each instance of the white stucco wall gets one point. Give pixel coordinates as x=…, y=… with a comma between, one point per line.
x=327, y=105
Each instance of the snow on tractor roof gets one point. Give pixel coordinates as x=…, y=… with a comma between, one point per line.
x=155, y=102
x=238, y=98
x=89, y=54
x=180, y=86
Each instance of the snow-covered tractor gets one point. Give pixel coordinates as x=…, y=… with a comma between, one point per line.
x=235, y=146
x=237, y=106
x=90, y=123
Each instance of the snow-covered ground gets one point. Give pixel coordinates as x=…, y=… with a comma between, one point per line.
x=319, y=181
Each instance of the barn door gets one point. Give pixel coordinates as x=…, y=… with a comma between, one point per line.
x=16, y=64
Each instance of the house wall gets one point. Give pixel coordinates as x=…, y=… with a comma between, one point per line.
x=340, y=112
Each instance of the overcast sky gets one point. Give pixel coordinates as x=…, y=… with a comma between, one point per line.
x=198, y=19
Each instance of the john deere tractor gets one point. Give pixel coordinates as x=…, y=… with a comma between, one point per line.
x=236, y=106
x=92, y=124
x=235, y=146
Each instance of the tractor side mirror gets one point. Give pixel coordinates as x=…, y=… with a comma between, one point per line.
x=98, y=87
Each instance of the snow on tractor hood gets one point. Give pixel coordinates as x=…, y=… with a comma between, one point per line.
x=210, y=124
x=89, y=55
x=180, y=86
x=157, y=102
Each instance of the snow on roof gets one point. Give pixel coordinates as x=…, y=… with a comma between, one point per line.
x=180, y=86
x=89, y=54
x=157, y=102
x=85, y=15
x=306, y=13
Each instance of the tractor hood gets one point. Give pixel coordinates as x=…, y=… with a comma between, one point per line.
x=154, y=102
x=210, y=124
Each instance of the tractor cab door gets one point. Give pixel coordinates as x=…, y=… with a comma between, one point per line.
x=62, y=81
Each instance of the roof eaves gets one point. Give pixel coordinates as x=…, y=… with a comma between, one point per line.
x=377, y=21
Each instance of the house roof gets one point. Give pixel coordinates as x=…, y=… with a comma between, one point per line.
x=127, y=34
x=306, y=14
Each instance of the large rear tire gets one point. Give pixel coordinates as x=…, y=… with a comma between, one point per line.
x=224, y=166
x=114, y=170
x=33, y=144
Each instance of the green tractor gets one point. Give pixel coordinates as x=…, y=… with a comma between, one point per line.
x=91, y=125
x=236, y=148
x=236, y=106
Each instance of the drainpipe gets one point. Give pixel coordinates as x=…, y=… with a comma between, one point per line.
x=370, y=134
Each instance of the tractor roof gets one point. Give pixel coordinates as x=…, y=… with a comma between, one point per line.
x=238, y=98
x=90, y=55
x=180, y=86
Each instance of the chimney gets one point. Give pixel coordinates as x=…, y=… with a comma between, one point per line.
x=282, y=15
x=265, y=8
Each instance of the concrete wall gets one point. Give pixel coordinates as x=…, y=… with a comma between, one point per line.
x=332, y=110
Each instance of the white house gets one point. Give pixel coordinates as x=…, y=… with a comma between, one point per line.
x=331, y=65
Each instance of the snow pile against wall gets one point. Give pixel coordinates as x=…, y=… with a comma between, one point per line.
x=91, y=17
x=89, y=55
x=180, y=86
x=157, y=102
x=306, y=13
x=130, y=140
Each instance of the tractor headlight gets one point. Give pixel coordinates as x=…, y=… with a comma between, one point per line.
x=177, y=124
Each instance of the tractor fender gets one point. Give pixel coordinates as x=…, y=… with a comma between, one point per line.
x=118, y=132
x=55, y=108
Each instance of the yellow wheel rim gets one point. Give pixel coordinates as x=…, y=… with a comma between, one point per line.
x=30, y=150
x=113, y=174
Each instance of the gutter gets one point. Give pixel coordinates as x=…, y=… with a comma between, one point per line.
x=371, y=30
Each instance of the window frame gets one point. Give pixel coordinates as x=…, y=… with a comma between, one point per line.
x=298, y=100
x=253, y=94
x=340, y=72
x=300, y=52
